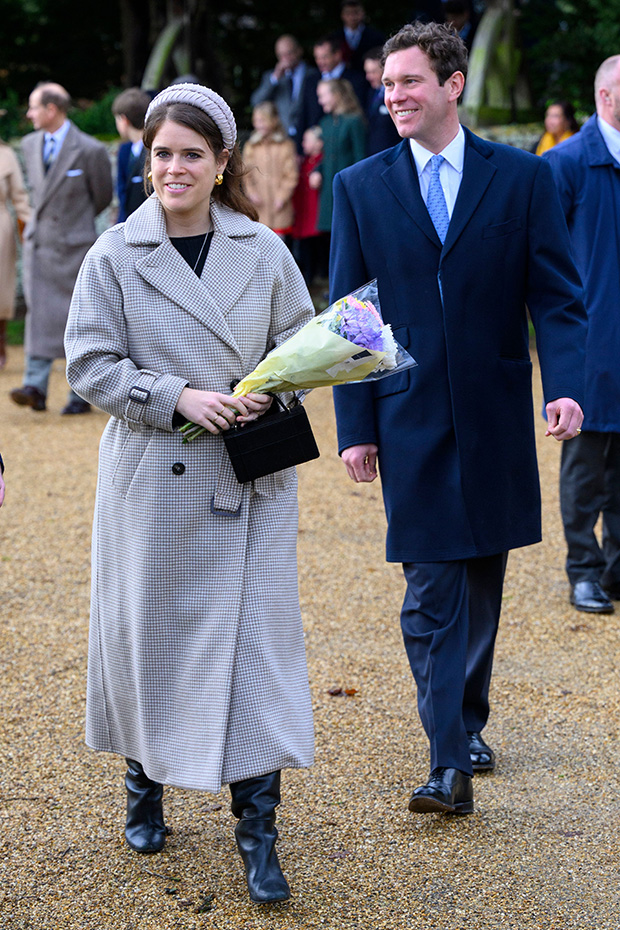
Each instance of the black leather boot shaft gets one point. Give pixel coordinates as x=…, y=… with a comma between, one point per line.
x=145, y=830
x=254, y=802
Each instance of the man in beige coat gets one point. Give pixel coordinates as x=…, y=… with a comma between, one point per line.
x=70, y=180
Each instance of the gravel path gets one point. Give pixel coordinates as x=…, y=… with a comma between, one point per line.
x=541, y=850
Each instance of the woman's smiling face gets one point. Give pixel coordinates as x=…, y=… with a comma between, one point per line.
x=183, y=170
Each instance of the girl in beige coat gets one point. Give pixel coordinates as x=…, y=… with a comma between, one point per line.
x=12, y=191
x=273, y=172
x=197, y=670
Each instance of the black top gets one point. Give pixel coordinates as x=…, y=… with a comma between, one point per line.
x=190, y=248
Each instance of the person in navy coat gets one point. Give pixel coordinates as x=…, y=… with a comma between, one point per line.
x=454, y=438
x=587, y=171
x=381, y=133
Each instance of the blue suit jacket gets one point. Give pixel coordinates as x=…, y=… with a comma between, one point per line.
x=588, y=180
x=456, y=434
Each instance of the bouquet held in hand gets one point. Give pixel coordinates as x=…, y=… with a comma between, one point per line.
x=347, y=342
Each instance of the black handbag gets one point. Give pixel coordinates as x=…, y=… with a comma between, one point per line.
x=276, y=440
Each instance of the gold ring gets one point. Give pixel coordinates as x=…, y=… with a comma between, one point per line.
x=578, y=431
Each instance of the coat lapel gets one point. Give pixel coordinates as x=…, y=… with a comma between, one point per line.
x=59, y=167
x=401, y=178
x=477, y=175
x=230, y=265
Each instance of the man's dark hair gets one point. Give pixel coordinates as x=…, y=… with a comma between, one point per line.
x=444, y=49
x=374, y=54
x=133, y=104
x=333, y=43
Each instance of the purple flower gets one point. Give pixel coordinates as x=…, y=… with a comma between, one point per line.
x=357, y=323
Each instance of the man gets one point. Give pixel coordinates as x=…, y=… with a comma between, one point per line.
x=70, y=180
x=329, y=61
x=587, y=172
x=454, y=437
x=462, y=16
x=129, y=110
x=355, y=36
x=381, y=133
x=291, y=85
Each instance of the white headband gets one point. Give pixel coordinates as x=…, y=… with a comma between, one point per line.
x=205, y=99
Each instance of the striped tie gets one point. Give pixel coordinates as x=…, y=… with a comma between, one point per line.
x=48, y=157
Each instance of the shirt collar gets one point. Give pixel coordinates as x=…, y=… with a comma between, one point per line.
x=454, y=153
x=59, y=135
x=611, y=137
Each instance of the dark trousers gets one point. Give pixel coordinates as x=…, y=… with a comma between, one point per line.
x=449, y=620
x=590, y=486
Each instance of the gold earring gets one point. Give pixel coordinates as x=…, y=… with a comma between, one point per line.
x=219, y=179
x=150, y=175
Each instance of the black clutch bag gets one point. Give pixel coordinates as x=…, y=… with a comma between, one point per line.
x=272, y=442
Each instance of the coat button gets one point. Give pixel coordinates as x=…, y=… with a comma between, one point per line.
x=178, y=468
x=234, y=383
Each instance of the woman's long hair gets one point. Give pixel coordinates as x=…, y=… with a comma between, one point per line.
x=231, y=192
x=345, y=97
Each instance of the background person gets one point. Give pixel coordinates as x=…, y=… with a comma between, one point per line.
x=355, y=36
x=291, y=85
x=270, y=157
x=453, y=228
x=344, y=141
x=310, y=245
x=560, y=124
x=381, y=133
x=197, y=669
x=129, y=110
x=587, y=172
x=70, y=181
x=13, y=193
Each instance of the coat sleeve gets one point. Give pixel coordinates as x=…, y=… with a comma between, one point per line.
x=18, y=192
x=287, y=181
x=353, y=403
x=555, y=294
x=100, y=177
x=266, y=90
x=97, y=349
x=358, y=139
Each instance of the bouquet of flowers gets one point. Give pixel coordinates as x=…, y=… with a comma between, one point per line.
x=347, y=342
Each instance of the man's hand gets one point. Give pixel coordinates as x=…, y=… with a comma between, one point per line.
x=564, y=418
x=361, y=462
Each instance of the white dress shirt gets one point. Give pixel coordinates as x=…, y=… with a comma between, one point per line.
x=450, y=172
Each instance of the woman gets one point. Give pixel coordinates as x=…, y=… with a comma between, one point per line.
x=344, y=140
x=560, y=124
x=271, y=160
x=12, y=191
x=197, y=671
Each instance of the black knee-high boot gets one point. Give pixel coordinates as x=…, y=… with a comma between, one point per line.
x=254, y=802
x=145, y=830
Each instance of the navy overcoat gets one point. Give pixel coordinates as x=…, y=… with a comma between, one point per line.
x=456, y=434
x=588, y=179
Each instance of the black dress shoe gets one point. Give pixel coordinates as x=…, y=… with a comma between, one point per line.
x=75, y=406
x=447, y=791
x=482, y=756
x=28, y=396
x=590, y=597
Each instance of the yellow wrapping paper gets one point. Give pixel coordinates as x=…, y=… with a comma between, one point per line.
x=313, y=357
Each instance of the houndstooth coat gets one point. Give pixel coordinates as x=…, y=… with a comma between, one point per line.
x=196, y=661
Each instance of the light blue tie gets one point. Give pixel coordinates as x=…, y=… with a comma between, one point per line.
x=436, y=201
